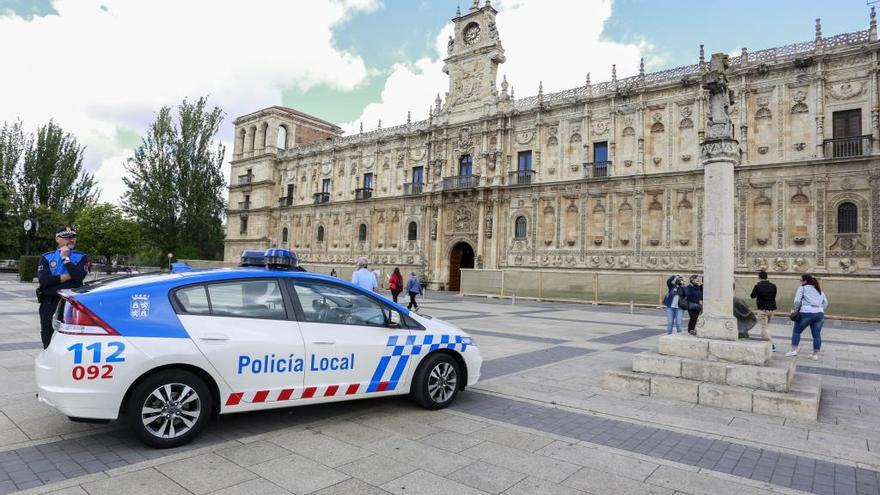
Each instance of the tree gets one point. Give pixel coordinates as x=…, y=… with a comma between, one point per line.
x=103, y=231
x=9, y=231
x=13, y=144
x=52, y=174
x=44, y=238
x=175, y=182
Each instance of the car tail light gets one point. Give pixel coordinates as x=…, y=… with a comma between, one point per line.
x=80, y=320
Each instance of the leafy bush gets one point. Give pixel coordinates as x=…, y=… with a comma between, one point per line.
x=27, y=268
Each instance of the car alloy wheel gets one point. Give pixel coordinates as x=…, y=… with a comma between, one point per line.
x=171, y=410
x=442, y=382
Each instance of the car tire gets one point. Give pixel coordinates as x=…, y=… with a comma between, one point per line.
x=175, y=422
x=436, y=381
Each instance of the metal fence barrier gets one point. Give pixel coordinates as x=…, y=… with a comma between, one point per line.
x=849, y=297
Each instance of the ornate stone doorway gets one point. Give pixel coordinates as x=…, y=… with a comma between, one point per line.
x=461, y=256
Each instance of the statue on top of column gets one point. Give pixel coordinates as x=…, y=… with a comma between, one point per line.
x=720, y=97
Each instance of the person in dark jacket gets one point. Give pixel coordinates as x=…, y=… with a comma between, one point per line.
x=764, y=294
x=694, y=295
x=674, y=293
x=413, y=288
x=61, y=269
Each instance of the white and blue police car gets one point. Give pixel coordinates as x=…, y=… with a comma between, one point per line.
x=166, y=352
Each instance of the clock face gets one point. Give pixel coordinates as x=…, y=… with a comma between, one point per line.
x=27, y=225
x=471, y=34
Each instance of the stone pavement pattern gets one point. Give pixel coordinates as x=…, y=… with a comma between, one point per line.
x=538, y=422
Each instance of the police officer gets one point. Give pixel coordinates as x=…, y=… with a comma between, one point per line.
x=63, y=268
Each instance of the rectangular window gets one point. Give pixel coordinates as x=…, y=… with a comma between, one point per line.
x=847, y=123
x=465, y=166
x=368, y=181
x=325, y=186
x=847, y=135
x=243, y=227
x=289, y=193
x=600, y=152
x=330, y=303
x=524, y=161
x=248, y=299
x=418, y=175
x=194, y=300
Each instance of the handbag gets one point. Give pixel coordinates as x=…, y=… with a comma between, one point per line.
x=682, y=299
x=795, y=314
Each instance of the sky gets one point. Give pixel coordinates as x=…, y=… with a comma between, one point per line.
x=103, y=68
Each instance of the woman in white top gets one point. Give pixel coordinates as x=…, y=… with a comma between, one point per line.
x=810, y=303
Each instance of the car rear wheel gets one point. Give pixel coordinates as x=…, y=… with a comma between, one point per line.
x=436, y=381
x=169, y=408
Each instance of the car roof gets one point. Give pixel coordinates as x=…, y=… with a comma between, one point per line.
x=201, y=275
x=173, y=280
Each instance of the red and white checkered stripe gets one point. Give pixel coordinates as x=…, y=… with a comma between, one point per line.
x=287, y=394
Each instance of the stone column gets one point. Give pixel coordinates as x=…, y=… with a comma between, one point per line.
x=719, y=153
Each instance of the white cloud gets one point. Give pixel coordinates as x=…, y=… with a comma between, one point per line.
x=93, y=69
x=556, y=42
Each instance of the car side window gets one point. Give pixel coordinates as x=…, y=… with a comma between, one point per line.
x=330, y=303
x=194, y=300
x=247, y=298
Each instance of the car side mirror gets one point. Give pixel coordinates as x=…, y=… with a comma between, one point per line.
x=394, y=319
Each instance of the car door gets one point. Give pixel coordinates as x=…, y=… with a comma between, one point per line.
x=351, y=347
x=243, y=328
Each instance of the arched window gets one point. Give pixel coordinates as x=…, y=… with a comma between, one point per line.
x=520, y=227
x=362, y=232
x=847, y=218
x=253, y=140
x=265, y=135
x=284, y=235
x=412, y=231
x=320, y=233
x=281, y=141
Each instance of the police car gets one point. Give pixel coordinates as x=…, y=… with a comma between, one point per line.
x=166, y=352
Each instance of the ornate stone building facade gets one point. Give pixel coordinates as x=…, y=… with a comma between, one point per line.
x=602, y=176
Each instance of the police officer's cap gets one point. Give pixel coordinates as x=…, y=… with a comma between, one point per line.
x=65, y=232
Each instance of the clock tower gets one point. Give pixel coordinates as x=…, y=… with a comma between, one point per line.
x=474, y=53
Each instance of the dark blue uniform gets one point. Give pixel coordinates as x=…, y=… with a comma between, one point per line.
x=52, y=266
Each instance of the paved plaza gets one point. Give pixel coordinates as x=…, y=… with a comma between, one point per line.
x=537, y=422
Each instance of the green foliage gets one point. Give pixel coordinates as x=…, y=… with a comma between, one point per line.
x=12, y=146
x=27, y=268
x=52, y=176
x=103, y=231
x=175, y=183
x=9, y=230
x=149, y=256
x=44, y=238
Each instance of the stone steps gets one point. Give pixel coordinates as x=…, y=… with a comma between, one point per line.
x=774, y=377
x=801, y=401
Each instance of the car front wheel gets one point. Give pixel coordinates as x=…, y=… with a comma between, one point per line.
x=169, y=408
x=436, y=381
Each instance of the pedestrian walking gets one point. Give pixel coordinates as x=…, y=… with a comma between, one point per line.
x=413, y=288
x=333, y=272
x=395, y=283
x=764, y=294
x=694, y=296
x=362, y=276
x=674, y=296
x=61, y=269
x=809, y=311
